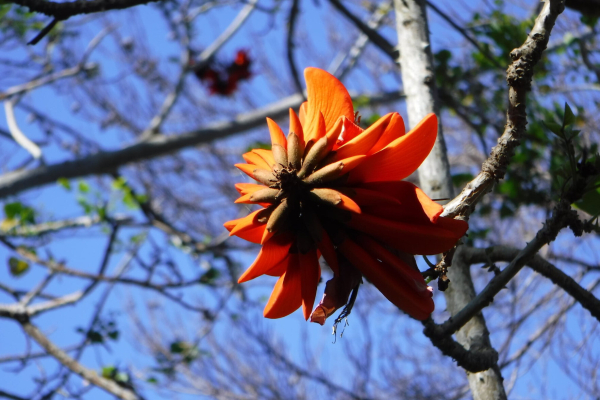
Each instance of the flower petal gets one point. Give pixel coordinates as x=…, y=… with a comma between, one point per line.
x=287, y=293
x=350, y=131
x=393, y=131
x=277, y=136
x=272, y=253
x=405, y=272
x=248, y=222
x=244, y=188
x=401, y=157
x=267, y=156
x=415, y=206
x=253, y=158
x=296, y=127
x=325, y=246
x=363, y=142
x=325, y=94
x=253, y=234
x=388, y=282
x=424, y=238
x=310, y=273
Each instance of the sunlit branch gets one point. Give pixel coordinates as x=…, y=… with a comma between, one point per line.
x=17, y=134
x=158, y=145
x=66, y=360
x=519, y=76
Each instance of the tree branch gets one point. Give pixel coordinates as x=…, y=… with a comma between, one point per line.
x=66, y=360
x=65, y=10
x=518, y=76
x=103, y=162
x=562, y=216
x=541, y=266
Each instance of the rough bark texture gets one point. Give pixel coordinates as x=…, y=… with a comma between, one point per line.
x=474, y=335
x=434, y=175
x=416, y=63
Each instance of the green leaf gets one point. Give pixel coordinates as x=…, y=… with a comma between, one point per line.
x=108, y=372
x=64, y=182
x=209, y=277
x=461, y=179
x=119, y=184
x=17, y=266
x=4, y=9
x=11, y=210
x=83, y=187
x=590, y=202
x=555, y=128
x=569, y=116
x=152, y=380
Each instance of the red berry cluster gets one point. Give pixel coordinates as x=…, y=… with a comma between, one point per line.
x=223, y=79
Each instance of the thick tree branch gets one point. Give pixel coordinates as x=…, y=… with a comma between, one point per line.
x=103, y=162
x=562, y=217
x=65, y=10
x=519, y=76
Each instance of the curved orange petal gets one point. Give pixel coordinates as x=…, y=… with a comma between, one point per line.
x=387, y=281
x=296, y=127
x=401, y=157
x=363, y=142
x=415, y=206
x=248, y=169
x=287, y=293
x=272, y=253
x=267, y=156
x=349, y=132
x=277, y=136
x=302, y=113
x=229, y=225
x=424, y=238
x=316, y=131
x=325, y=94
x=411, y=276
x=280, y=268
x=254, y=234
x=253, y=158
x=393, y=131
x=349, y=204
x=366, y=198
x=327, y=250
x=249, y=221
x=245, y=188
x=310, y=274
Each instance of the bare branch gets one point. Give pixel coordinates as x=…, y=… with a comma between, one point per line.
x=66, y=360
x=518, y=75
x=543, y=267
x=159, y=145
x=65, y=10
x=17, y=134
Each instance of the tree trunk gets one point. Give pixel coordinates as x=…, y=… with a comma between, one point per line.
x=416, y=62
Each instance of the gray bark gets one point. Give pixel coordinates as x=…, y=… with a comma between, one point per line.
x=416, y=63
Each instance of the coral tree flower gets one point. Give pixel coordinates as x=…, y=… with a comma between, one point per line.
x=332, y=189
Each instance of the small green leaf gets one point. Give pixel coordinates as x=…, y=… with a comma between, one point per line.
x=17, y=267
x=11, y=210
x=83, y=187
x=64, y=182
x=209, y=277
x=119, y=183
x=555, y=128
x=569, y=116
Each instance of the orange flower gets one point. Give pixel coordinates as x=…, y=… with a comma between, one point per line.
x=332, y=189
